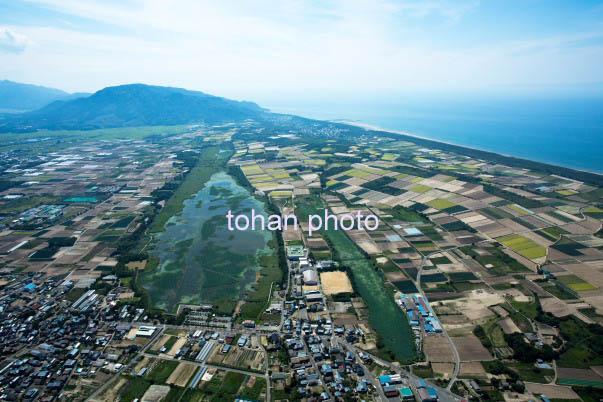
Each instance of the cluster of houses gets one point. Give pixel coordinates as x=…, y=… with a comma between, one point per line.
x=316, y=362
x=56, y=341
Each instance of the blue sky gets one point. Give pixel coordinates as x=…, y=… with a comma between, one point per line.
x=348, y=47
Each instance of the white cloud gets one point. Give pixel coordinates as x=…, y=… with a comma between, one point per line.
x=11, y=42
x=233, y=48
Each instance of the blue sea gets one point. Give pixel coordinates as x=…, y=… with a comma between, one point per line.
x=566, y=131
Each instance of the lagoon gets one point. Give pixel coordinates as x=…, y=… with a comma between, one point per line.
x=200, y=260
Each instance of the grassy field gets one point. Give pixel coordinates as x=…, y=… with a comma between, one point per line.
x=501, y=263
x=211, y=161
x=529, y=372
x=253, y=392
x=170, y=342
x=133, y=389
x=405, y=214
x=192, y=395
x=225, y=390
x=584, y=345
x=175, y=395
x=162, y=371
x=51, y=140
x=25, y=203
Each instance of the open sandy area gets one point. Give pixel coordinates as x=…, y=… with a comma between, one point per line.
x=475, y=304
x=335, y=282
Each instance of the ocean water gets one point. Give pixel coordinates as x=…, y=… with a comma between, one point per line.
x=561, y=131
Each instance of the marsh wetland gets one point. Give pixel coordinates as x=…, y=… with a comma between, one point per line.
x=201, y=261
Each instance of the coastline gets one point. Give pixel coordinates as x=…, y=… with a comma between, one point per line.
x=370, y=127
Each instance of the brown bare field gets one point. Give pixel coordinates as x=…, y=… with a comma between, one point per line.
x=157, y=345
x=474, y=369
x=177, y=346
x=345, y=319
x=508, y=326
x=437, y=349
x=290, y=234
x=560, y=309
x=181, y=375
x=475, y=305
x=396, y=276
x=552, y=391
x=335, y=282
x=578, y=374
x=144, y=362
x=155, y=393
x=589, y=272
x=446, y=369
x=240, y=357
x=471, y=349
x=369, y=247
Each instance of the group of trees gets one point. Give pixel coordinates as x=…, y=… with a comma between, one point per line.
x=527, y=352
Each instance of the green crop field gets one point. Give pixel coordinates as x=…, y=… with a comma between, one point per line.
x=357, y=173
x=133, y=389
x=552, y=233
x=523, y=246
x=162, y=371
x=580, y=287
x=575, y=283
x=421, y=188
x=440, y=203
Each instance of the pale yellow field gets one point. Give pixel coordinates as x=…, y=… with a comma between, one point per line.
x=181, y=375
x=335, y=282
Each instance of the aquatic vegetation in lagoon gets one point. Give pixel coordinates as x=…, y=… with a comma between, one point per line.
x=200, y=259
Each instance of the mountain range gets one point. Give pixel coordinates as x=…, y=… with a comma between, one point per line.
x=17, y=97
x=131, y=105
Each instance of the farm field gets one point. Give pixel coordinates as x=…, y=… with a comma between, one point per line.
x=441, y=204
x=524, y=246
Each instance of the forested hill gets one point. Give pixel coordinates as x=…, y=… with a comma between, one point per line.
x=132, y=105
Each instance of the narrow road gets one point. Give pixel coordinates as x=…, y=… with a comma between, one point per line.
x=445, y=395
x=457, y=359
